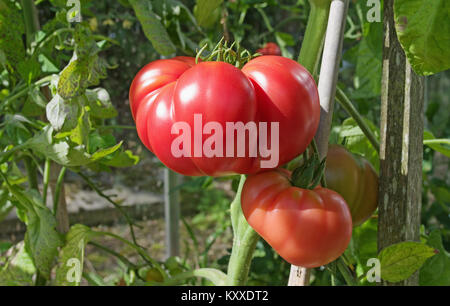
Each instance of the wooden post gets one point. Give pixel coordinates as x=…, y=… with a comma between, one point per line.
x=331, y=59
x=401, y=146
x=172, y=213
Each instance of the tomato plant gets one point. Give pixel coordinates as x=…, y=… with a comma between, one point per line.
x=268, y=89
x=65, y=72
x=308, y=228
x=354, y=178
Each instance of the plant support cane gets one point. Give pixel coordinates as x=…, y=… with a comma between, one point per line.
x=299, y=276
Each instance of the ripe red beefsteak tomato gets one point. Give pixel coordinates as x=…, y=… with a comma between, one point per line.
x=308, y=228
x=270, y=89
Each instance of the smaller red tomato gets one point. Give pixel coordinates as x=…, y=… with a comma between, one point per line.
x=308, y=228
x=270, y=48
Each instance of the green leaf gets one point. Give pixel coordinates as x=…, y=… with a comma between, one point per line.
x=437, y=144
x=100, y=104
x=153, y=29
x=63, y=153
x=5, y=205
x=100, y=141
x=363, y=245
x=29, y=69
x=121, y=159
x=355, y=140
x=423, y=29
x=286, y=39
x=47, y=65
x=35, y=103
x=80, y=134
x=436, y=270
x=11, y=30
x=104, y=152
x=43, y=144
x=79, y=75
x=367, y=56
x=71, y=258
x=61, y=112
x=15, y=128
x=399, y=261
x=207, y=12
x=85, y=69
x=41, y=237
x=4, y=246
x=19, y=269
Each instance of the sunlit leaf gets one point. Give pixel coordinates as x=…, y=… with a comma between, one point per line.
x=423, y=29
x=153, y=29
x=399, y=261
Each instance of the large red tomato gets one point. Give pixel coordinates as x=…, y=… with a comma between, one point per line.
x=268, y=89
x=308, y=228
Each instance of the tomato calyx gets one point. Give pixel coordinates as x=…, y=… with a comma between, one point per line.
x=233, y=54
x=310, y=173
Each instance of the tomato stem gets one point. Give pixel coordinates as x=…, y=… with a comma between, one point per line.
x=244, y=242
x=314, y=36
x=343, y=268
x=346, y=104
x=233, y=55
x=310, y=173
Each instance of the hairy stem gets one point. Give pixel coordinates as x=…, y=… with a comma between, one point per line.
x=346, y=104
x=349, y=279
x=58, y=186
x=46, y=180
x=244, y=243
x=314, y=37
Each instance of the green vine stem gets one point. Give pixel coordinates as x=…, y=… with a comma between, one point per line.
x=59, y=184
x=342, y=266
x=31, y=20
x=315, y=34
x=122, y=258
x=23, y=90
x=217, y=277
x=130, y=222
x=31, y=173
x=244, y=243
x=46, y=180
x=140, y=251
x=346, y=104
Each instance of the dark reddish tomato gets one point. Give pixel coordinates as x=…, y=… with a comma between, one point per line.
x=270, y=48
x=308, y=228
x=355, y=179
x=268, y=89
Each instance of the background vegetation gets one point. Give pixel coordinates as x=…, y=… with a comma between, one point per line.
x=78, y=121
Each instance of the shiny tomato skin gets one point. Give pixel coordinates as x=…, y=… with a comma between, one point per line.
x=308, y=228
x=354, y=178
x=160, y=120
x=286, y=93
x=142, y=115
x=270, y=48
x=154, y=76
x=221, y=93
x=268, y=89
